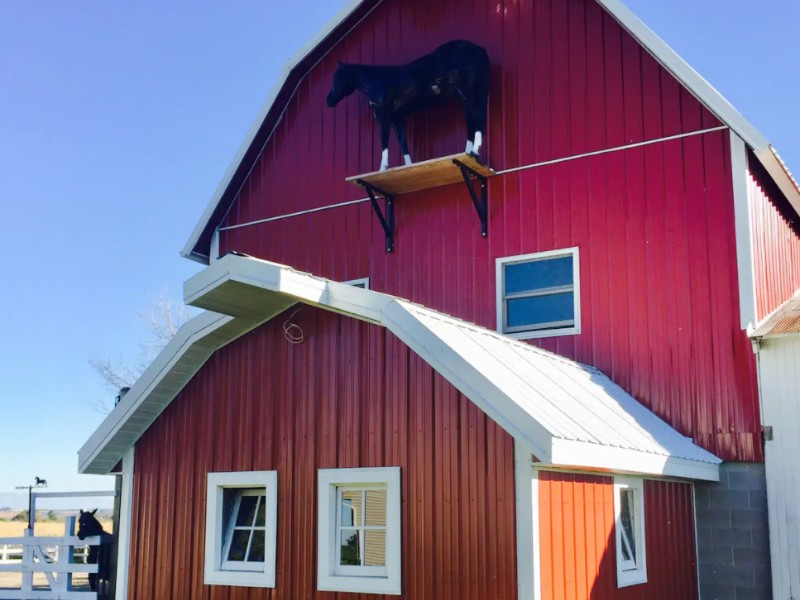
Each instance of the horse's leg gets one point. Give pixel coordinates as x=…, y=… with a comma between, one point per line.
x=386, y=125
x=400, y=130
x=478, y=100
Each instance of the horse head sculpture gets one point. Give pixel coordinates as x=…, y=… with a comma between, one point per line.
x=456, y=68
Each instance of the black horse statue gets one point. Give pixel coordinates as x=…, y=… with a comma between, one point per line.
x=457, y=67
x=88, y=525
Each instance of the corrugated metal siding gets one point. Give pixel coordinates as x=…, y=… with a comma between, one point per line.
x=576, y=523
x=779, y=362
x=776, y=242
x=566, y=79
x=784, y=321
x=350, y=395
x=654, y=225
x=656, y=237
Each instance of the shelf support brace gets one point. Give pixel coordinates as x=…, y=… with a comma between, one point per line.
x=481, y=204
x=387, y=221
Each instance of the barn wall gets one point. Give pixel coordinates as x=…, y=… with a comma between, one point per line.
x=655, y=230
x=654, y=224
x=350, y=395
x=776, y=242
x=576, y=521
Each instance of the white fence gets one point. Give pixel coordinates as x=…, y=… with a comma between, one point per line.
x=53, y=557
x=12, y=553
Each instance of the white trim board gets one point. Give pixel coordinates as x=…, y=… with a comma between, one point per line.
x=166, y=376
x=744, y=233
x=659, y=49
x=125, y=523
x=568, y=414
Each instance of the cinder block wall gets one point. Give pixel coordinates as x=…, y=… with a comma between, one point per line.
x=733, y=535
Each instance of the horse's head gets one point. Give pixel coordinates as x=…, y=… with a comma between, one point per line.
x=344, y=84
x=88, y=525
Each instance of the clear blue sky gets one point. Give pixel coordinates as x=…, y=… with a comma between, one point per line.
x=117, y=121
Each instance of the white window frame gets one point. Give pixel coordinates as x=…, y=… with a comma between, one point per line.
x=362, y=283
x=360, y=579
x=500, y=265
x=219, y=571
x=630, y=572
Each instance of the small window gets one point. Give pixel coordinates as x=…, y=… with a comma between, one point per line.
x=359, y=530
x=538, y=295
x=359, y=283
x=629, y=531
x=241, y=522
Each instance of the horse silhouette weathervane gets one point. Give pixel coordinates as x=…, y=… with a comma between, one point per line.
x=39, y=483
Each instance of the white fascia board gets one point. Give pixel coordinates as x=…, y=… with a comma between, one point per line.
x=194, y=330
x=255, y=273
x=290, y=65
x=469, y=381
x=744, y=232
x=362, y=304
x=624, y=460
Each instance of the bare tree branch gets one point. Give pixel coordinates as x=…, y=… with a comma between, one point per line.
x=162, y=322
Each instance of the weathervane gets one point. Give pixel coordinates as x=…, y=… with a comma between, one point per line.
x=39, y=483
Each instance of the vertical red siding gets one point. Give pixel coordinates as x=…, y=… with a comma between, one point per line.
x=776, y=242
x=351, y=395
x=654, y=224
x=655, y=230
x=576, y=522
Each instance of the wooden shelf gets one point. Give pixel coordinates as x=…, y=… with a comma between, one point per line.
x=421, y=176
x=424, y=176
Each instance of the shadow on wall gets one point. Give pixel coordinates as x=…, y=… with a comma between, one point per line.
x=578, y=544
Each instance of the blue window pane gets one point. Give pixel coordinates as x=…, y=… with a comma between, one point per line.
x=537, y=310
x=538, y=274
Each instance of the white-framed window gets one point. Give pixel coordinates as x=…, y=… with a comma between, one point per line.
x=359, y=530
x=241, y=528
x=629, y=531
x=538, y=295
x=359, y=283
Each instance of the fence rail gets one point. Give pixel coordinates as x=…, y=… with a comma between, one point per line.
x=52, y=556
x=12, y=553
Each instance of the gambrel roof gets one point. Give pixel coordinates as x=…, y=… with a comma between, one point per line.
x=297, y=68
x=567, y=414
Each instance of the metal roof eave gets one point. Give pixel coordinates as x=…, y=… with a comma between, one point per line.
x=566, y=413
x=659, y=49
x=166, y=376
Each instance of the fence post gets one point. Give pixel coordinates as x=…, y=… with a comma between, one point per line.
x=65, y=554
x=27, y=560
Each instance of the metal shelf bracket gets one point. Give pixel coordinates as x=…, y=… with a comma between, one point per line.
x=481, y=204
x=387, y=220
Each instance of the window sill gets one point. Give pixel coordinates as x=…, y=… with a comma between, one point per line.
x=359, y=585
x=529, y=335
x=629, y=578
x=240, y=578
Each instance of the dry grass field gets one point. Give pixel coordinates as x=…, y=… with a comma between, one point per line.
x=52, y=528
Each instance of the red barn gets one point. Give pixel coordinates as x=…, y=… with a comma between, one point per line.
x=566, y=407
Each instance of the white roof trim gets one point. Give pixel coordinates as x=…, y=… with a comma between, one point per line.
x=566, y=413
x=290, y=65
x=685, y=74
x=172, y=369
x=659, y=49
